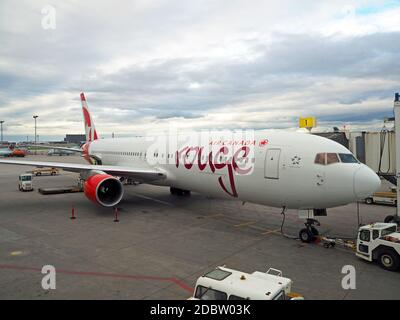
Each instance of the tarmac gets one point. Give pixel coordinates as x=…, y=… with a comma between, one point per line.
x=163, y=243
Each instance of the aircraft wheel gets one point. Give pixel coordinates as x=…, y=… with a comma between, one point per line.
x=305, y=235
x=172, y=190
x=186, y=192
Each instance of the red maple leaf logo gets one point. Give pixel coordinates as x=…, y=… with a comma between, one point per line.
x=263, y=143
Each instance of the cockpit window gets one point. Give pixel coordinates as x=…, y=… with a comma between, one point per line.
x=329, y=158
x=332, y=158
x=320, y=158
x=347, y=158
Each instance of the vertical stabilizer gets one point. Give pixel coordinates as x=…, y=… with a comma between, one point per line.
x=90, y=129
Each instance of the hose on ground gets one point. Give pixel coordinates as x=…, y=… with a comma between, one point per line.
x=283, y=223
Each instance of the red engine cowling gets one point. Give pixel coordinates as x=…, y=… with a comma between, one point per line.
x=104, y=189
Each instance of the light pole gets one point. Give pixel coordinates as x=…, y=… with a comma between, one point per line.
x=35, y=117
x=1, y=123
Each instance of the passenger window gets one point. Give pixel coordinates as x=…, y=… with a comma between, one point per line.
x=365, y=235
x=331, y=158
x=320, y=158
x=375, y=234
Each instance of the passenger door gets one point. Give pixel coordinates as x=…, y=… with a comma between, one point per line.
x=271, y=165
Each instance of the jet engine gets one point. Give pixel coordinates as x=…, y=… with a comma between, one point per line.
x=104, y=189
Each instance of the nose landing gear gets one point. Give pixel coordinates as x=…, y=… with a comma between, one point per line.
x=310, y=232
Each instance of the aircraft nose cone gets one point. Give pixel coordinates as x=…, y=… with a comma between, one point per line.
x=366, y=182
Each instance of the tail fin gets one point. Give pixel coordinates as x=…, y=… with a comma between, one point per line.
x=90, y=130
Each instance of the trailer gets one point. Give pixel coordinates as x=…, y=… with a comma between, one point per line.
x=59, y=190
x=44, y=171
x=383, y=197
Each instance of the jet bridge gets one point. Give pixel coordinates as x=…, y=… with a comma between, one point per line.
x=396, y=107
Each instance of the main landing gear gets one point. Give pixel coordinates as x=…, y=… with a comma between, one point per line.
x=179, y=192
x=309, y=233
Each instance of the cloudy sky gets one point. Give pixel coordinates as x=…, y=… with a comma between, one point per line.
x=147, y=64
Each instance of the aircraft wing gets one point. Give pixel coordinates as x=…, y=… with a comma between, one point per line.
x=53, y=147
x=139, y=174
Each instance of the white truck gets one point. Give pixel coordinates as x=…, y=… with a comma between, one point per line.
x=380, y=242
x=25, y=182
x=228, y=284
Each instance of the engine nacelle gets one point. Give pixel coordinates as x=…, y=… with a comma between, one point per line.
x=104, y=189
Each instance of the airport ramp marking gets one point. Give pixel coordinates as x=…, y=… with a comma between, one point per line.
x=16, y=253
x=174, y=280
x=276, y=231
x=244, y=224
x=152, y=199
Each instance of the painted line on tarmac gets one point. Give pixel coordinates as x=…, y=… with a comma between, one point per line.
x=176, y=281
x=152, y=199
x=16, y=253
x=244, y=224
x=276, y=231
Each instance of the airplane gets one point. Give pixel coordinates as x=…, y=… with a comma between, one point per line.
x=289, y=170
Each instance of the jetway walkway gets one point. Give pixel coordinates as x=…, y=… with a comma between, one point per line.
x=389, y=177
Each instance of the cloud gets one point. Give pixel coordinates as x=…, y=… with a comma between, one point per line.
x=208, y=64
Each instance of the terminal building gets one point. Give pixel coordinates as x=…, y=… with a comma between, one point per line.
x=75, y=138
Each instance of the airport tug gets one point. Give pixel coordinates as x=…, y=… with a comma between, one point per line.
x=229, y=284
x=380, y=242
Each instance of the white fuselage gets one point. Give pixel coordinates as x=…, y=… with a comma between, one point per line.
x=278, y=170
